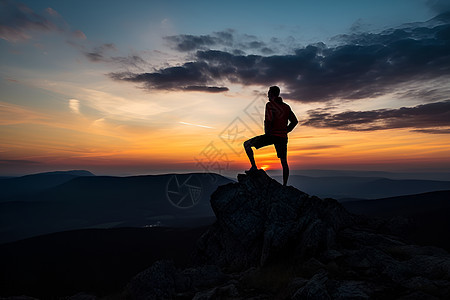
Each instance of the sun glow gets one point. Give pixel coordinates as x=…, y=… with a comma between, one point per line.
x=76, y=116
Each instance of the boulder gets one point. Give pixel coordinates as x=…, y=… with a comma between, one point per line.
x=259, y=220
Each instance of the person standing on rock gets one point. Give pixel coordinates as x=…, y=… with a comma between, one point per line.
x=279, y=121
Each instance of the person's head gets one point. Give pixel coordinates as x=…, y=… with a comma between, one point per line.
x=274, y=92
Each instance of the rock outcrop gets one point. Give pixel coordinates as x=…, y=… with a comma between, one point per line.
x=259, y=220
x=275, y=242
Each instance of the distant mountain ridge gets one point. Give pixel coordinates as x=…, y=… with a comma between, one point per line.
x=29, y=184
x=422, y=218
x=177, y=200
x=58, y=201
x=402, y=205
x=345, y=187
x=440, y=176
x=70, y=172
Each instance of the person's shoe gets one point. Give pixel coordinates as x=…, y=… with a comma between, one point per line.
x=251, y=170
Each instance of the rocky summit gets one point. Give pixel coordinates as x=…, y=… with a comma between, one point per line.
x=259, y=220
x=276, y=242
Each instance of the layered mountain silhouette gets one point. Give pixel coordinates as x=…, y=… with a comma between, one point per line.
x=348, y=188
x=423, y=218
x=267, y=242
x=31, y=184
x=68, y=201
x=275, y=242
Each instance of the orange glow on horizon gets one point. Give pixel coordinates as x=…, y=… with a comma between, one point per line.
x=74, y=139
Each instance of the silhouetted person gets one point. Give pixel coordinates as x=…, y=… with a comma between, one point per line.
x=276, y=128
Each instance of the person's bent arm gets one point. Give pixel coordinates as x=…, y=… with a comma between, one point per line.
x=292, y=122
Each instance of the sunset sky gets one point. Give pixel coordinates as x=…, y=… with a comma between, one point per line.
x=145, y=87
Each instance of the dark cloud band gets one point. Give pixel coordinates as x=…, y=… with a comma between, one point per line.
x=427, y=118
x=18, y=21
x=364, y=66
x=224, y=40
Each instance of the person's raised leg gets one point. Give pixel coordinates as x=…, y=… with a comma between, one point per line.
x=251, y=157
x=285, y=170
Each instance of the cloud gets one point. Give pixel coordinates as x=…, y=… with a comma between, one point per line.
x=320, y=147
x=11, y=114
x=198, y=125
x=17, y=162
x=433, y=131
x=191, y=76
x=134, y=61
x=98, y=54
x=359, y=26
x=221, y=40
x=18, y=22
x=429, y=91
x=102, y=54
x=74, y=105
x=18, y=19
x=427, y=118
x=79, y=34
x=52, y=12
x=363, y=65
x=208, y=89
x=439, y=6
x=190, y=42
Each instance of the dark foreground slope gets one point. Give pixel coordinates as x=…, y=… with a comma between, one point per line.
x=275, y=242
x=96, y=261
